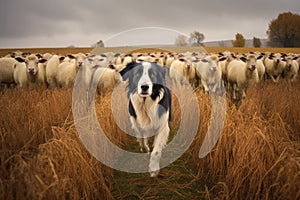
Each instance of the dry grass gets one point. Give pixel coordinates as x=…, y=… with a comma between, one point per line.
x=3, y=52
x=41, y=155
x=258, y=154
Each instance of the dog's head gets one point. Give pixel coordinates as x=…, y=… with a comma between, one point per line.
x=144, y=78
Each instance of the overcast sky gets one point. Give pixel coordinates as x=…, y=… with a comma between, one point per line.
x=60, y=23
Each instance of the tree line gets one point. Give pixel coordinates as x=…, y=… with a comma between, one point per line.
x=284, y=31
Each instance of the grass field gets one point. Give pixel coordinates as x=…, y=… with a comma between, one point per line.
x=256, y=157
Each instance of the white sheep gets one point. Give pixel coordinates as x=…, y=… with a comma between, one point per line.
x=105, y=79
x=7, y=71
x=67, y=70
x=291, y=68
x=209, y=72
x=51, y=70
x=29, y=72
x=274, y=66
x=182, y=71
x=123, y=59
x=240, y=74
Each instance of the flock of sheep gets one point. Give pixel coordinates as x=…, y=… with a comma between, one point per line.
x=209, y=72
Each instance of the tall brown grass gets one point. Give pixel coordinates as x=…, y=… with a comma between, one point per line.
x=41, y=155
x=257, y=155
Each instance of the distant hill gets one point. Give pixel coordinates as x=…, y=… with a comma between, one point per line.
x=228, y=43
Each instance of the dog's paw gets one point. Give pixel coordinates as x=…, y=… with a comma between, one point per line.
x=154, y=173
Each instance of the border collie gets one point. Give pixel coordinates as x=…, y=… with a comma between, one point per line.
x=149, y=107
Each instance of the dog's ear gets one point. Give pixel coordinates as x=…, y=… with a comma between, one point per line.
x=127, y=71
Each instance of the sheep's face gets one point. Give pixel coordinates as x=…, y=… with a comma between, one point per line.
x=250, y=62
x=32, y=66
x=31, y=63
x=277, y=58
x=289, y=63
x=80, y=61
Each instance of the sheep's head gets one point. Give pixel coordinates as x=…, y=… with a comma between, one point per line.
x=212, y=62
x=187, y=64
x=31, y=63
x=288, y=61
x=250, y=62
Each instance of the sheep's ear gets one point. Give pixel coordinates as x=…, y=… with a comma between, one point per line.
x=127, y=71
x=295, y=58
x=204, y=60
x=196, y=61
x=243, y=59
x=221, y=54
x=39, y=56
x=271, y=57
x=61, y=58
x=117, y=55
x=222, y=59
x=260, y=57
x=42, y=60
x=283, y=59
x=19, y=59
x=111, y=66
x=181, y=59
x=71, y=56
x=233, y=56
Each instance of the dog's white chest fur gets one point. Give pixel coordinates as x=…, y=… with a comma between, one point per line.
x=147, y=119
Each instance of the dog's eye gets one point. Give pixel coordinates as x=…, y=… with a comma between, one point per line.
x=153, y=74
x=137, y=73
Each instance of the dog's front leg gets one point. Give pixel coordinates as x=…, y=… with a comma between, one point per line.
x=160, y=142
x=143, y=142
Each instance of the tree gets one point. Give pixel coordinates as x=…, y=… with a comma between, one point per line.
x=196, y=38
x=181, y=40
x=256, y=42
x=239, y=40
x=285, y=30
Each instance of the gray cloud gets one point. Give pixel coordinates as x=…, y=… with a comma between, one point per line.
x=35, y=21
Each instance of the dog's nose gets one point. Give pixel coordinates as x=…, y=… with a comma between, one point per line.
x=144, y=88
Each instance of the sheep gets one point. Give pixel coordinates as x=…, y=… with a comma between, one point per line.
x=7, y=71
x=47, y=56
x=107, y=78
x=209, y=72
x=29, y=72
x=240, y=74
x=261, y=69
x=123, y=59
x=182, y=71
x=51, y=70
x=67, y=70
x=223, y=63
x=170, y=58
x=274, y=66
x=291, y=68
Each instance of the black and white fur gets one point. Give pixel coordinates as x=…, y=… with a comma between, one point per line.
x=149, y=107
